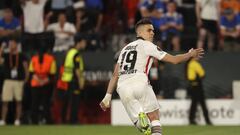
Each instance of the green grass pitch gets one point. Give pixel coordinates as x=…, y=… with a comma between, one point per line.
x=116, y=130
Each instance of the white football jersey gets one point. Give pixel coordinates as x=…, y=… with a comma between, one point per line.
x=136, y=59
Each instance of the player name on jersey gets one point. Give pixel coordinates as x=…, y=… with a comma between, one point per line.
x=131, y=47
x=128, y=72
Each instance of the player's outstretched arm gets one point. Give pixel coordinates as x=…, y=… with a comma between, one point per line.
x=192, y=53
x=105, y=103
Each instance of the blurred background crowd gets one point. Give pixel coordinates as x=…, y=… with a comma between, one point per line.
x=49, y=28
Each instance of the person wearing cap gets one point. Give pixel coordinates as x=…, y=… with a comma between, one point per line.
x=230, y=31
x=15, y=75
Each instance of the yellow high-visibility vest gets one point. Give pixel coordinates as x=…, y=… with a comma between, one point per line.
x=69, y=65
x=195, y=70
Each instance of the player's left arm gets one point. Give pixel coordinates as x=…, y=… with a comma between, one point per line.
x=176, y=59
x=153, y=50
x=105, y=103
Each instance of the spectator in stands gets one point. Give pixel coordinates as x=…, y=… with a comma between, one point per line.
x=153, y=9
x=64, y=32
x=33, y=15
x=42, y=71
x=91, y=11
x=15, y=75
x=73, y=75
x=33, y=12
x=230, y=31
x=195, y=75
x=64, y=37
x=208, y=13
x=95, y=8
x=9, y=25
x=172, y=27
x=88, y=22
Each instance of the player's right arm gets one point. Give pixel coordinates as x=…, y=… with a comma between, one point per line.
x=105, y=103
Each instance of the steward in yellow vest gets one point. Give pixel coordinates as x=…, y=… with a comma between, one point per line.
x=73, y=75
x=195, y=74
x=74, y=65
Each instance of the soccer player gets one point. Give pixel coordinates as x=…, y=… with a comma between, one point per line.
x=131, y=78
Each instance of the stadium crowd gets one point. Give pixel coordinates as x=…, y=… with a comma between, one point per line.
x=39, y=28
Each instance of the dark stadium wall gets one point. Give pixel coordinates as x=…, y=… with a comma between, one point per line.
x=221, y=69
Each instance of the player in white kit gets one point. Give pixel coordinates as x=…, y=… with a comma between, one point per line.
x=131, y=78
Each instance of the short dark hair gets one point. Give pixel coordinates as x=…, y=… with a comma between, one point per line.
x=143, y=21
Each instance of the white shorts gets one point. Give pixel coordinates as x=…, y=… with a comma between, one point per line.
x=12, y=89
x=137, y=96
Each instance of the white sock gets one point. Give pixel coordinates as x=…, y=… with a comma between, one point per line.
x=156, y=127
